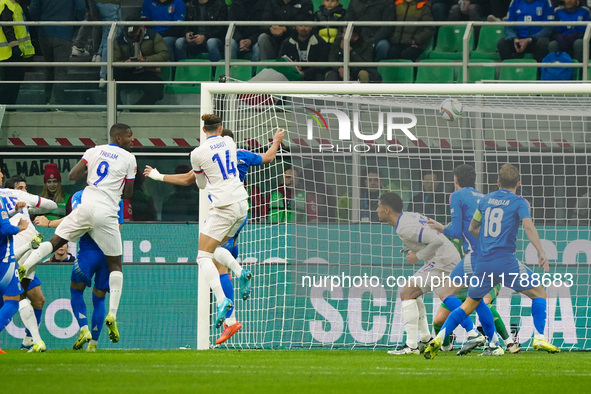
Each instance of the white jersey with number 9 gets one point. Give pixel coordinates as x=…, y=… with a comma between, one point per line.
x=109, y=167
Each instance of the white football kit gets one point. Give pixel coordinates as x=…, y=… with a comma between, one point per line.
x=438, y=253
x=108, y=167
x=216, y=159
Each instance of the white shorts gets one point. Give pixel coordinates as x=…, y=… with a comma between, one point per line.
x=430, y=276
x=225, y=221
x=102, y=226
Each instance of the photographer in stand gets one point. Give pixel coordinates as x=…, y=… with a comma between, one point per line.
x=140, y=44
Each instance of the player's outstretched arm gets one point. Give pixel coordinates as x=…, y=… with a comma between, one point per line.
x=432, y=240
x=78, y=171
x=45, y=205
x=270, y=154
x=534, y=238
x=186, y=179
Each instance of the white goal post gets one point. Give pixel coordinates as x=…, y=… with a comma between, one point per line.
x=336, y=134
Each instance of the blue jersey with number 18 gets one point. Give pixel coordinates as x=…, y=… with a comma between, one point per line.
x=500, y=214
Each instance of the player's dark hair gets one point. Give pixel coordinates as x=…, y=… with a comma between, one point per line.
x=508, y=176
x=211, y=122
x=393, y=201
x=118, y=129
x=466, y=175
x=13, y=180
x=227, y=133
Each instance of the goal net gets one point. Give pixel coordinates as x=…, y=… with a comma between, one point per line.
x=326, y=271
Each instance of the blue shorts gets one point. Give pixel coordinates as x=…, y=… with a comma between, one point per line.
x=10, y=286
x=34, y=283
x=506, y=270
x=91, y=262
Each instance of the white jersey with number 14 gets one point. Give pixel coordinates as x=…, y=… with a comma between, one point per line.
x=216, y=158
x=109, y=167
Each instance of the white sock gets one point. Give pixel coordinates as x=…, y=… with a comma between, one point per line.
x=115, y=288
x=472, y=333
x=211, y=275
x=230, y=321
x=225, y=258
x=21, y=250
x=410, y=314
x=92, y=342
x=38, y=254
x=28, y=317
x=24, y=257
x=84, y=327
x=509, y=340
x=424, y=331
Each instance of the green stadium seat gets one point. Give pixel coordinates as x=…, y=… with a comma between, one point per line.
x=427, y=51
x=241, y=73
x=397, y=74
x=167, y=73
x=449, y=43
x=479, y=73
x=518, y=73
x=487, y=43
x=197, y=73
x=445, y=74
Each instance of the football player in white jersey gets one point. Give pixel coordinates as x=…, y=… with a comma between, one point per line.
x=438, y=253
x=110, y=173
x=32, y=300
x=216, y=170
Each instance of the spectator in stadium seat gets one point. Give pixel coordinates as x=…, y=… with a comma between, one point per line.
x=307, y=46
x=168, y=11
x=440, y=9
x=361, y=51
x=330, y=11
x=373, y=11
x=519, y=40
x=53, y=190
x=141, y=45
x=431, y=201
x=182, y=205
x=570, y=38
x=56, y=40
x=109, y=11
x=469, y=10
x=498, y=10
x=15, y=46
x=245, y=38
x=203, y=39
x=281, y=10
x=290, y=203
x=410, y=41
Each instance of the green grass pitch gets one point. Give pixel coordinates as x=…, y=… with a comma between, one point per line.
x=298, y=371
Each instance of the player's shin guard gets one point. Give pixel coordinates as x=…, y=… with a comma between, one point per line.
x=7, y=311
x=28, y=317
x=38, y=254
x=228, y=290
x=538, y=312
x=115, y=289
x=225, y=258
x=98, y=316
x=452, y=302
x=424, y=332
x=211, y=275
x=79, y=307
x=488, y=323
x=410, y=315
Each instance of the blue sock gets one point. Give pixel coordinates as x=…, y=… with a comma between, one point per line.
x=78, y=306
x=538, y=312
x=228, y=290
x=98, y=316
x=452, y=302
x=452, y=321
x=7, y=311
x=488, y=322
